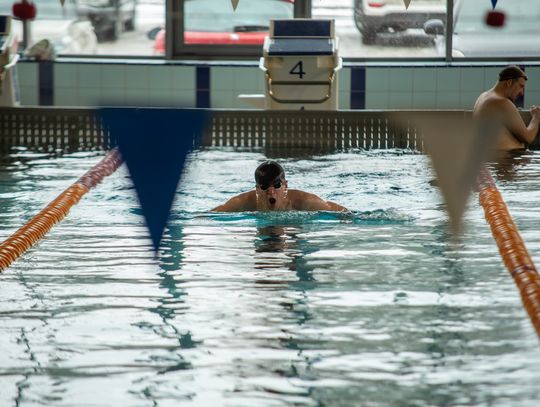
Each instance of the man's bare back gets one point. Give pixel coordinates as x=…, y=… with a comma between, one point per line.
x=497, y=106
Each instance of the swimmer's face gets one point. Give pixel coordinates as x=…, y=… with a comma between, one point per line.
x=272, y=197
x=516, y=88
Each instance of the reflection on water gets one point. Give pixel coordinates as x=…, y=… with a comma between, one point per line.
x=378, y=307
x=507, y=164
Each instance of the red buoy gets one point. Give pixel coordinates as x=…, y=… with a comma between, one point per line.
x=24, y=10
x=495, y=18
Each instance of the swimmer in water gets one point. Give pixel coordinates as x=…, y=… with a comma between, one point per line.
x=271, y=193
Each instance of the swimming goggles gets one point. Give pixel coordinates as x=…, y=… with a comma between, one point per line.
x=276, y=184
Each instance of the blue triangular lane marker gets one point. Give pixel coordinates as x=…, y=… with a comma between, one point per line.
x=494, y=3
x=154, y=143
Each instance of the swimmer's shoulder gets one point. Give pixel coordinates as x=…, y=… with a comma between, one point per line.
x=246, y=201
x=302, y=200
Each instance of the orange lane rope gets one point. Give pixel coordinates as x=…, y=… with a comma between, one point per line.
x=511, y=246
x=25, y=237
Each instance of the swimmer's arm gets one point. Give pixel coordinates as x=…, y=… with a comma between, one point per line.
x=336, y=207
x=312, y=202
x=238, y=203
x=515, y=124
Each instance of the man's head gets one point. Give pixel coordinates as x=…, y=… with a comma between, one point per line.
x=271, y=186
x=512, y=79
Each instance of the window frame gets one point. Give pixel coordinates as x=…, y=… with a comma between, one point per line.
x=175, y=48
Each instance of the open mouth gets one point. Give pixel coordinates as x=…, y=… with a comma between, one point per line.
x=272, y=201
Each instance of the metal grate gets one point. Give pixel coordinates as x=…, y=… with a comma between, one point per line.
x=79, y=129
x=51, y=129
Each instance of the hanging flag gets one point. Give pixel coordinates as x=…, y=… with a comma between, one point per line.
x=494, y=3
x=234, y=4
x=458, y=147
x=407, y=2
x=62, y=2
x=154, y=144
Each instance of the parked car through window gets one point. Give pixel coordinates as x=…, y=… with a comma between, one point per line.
x=109, y=17
x=379, y=16
x=215, y=22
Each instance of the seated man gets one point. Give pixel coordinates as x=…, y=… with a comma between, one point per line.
x=271, y=193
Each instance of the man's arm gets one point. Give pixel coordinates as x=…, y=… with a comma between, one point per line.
x=238, y=203
x=515, y=124
x=311, y=202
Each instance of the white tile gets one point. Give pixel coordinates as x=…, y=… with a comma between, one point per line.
x=448, y=79
x=89, y=75
x=28, y=74
x=424, y=79
x=247, y=79
x=114, y=77
x=183, y=98
x=377, y=100
x=467, y=99
x=532, y=98
x=472, y=80
x=136, y=96
x=136, y=77
x=401, y=79
x=491, y=76
x=533, y=84
x=344, y=80
x=160, y=97
x=66, y=97
x=400, y=100
x=424, y=100
x=90, y=97
x=159, y=77
x=183, y=77
x=221, y=78
x=448, y=100
x=377, y=79
x=221, y=99
x=29, y=96
x=344, y=101
x=66, y=75
x=344, y=89
x=113, y=96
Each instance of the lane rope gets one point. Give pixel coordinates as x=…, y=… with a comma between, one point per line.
x=511, y=246
x=25, y=237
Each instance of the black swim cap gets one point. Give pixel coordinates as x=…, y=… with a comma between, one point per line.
x=267, y=172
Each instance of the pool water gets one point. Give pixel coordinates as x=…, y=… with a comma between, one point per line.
x=373, y=308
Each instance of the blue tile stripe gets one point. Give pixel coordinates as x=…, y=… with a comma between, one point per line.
x=358, y=87
x=46, y=83
x=203, y=87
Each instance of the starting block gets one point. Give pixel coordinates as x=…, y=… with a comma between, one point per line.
x=301, y=63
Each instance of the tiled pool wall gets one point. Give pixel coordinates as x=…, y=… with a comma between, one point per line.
x=217, y=85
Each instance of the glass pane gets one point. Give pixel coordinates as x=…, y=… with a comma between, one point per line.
x=216, y=22
x=517, y=37
x=384, y=28
x=95, y=27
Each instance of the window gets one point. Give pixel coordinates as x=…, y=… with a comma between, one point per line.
x=213, y=27
x=367, y=29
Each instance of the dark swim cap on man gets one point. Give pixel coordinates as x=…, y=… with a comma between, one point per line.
x=267, y=172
